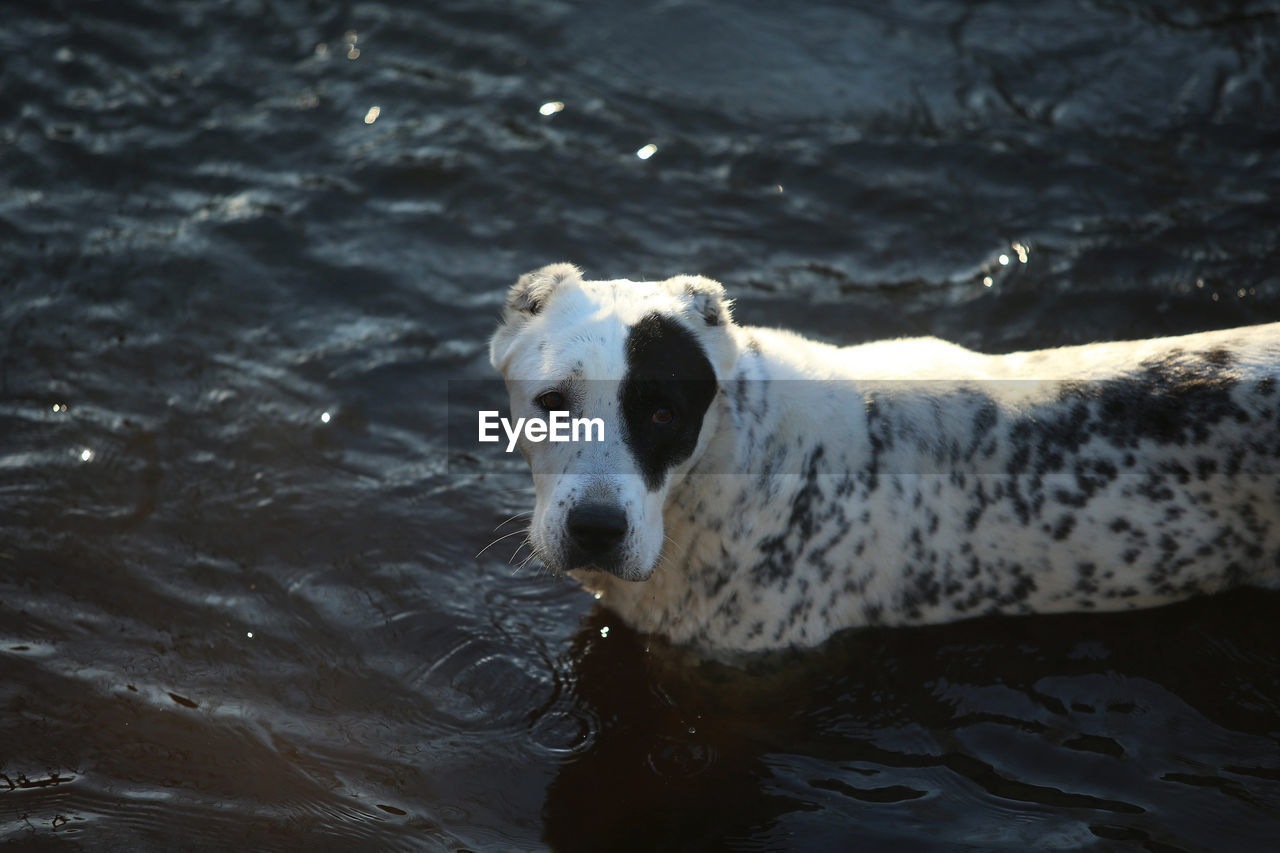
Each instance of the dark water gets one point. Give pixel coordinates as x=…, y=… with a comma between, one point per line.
x=226, y=620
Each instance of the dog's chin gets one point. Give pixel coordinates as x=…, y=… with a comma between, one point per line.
x=617, y=569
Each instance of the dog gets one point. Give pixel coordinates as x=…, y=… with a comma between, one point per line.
x=757, y=490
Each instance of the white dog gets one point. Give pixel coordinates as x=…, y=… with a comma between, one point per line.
x=755, y=489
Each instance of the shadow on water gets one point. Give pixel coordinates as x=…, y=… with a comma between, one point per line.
x=1063, y=732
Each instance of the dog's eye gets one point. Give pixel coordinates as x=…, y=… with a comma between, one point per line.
x=663, y=416
x=551, y=401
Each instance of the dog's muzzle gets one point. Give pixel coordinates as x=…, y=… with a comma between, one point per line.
x=595, y=533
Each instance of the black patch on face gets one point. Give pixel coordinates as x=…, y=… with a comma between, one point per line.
x=666, y=369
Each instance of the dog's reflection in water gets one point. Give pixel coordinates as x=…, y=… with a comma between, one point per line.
x=915, y=738
x=670, y=769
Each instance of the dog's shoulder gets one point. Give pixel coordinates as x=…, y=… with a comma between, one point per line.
x=795, y=355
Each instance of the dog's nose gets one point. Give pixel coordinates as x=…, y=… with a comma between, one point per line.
x=597, y=528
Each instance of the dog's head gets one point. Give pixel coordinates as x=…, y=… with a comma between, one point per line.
x=647, y=359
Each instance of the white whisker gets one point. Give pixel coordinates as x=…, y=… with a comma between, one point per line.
x=533, y=553
x=500, y=538
x=513, y=518
x=527, y=541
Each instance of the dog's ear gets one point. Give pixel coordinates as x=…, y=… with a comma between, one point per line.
x=705, y=297
x=526, y=298
x=530, y=293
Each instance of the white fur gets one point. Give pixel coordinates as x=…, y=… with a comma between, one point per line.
x=905, y=481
